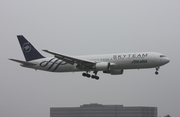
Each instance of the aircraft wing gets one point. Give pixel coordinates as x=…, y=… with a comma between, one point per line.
x=73, y=60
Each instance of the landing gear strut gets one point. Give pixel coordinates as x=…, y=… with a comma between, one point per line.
x=157, y=69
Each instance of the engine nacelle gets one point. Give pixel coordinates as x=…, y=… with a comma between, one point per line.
x=102, y=66
x=114, y=72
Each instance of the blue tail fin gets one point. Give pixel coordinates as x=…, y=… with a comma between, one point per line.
x=30, y=53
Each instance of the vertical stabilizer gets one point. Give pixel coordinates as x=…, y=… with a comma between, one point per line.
x=30, y=53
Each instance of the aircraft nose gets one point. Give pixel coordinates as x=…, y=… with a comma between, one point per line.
x=166, y=60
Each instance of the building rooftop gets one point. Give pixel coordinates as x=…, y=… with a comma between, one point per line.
x=98, y=105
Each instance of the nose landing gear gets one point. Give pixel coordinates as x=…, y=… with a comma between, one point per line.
x=157, y=69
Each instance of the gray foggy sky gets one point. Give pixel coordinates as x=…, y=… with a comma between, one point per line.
x=80, y=27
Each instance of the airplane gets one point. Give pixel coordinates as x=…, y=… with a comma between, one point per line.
x=113, y=64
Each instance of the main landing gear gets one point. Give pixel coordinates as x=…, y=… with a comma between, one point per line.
x=157, y=69
x=93, y=76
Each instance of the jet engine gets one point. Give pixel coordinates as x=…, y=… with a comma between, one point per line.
x=102, y=66
x=114, y=72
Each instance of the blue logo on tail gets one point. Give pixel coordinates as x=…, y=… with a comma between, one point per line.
x=26, y=47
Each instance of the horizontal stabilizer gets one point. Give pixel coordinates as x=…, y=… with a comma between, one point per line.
x=22, y=62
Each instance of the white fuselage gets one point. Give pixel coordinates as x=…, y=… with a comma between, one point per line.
x=117, y=61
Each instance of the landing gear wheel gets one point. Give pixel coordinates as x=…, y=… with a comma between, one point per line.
x=95, y=75
x=97, y=78
x=86, y=75
x=156, y=73
x=83, y=74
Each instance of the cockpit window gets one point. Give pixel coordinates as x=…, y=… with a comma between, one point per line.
x=162, y=56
